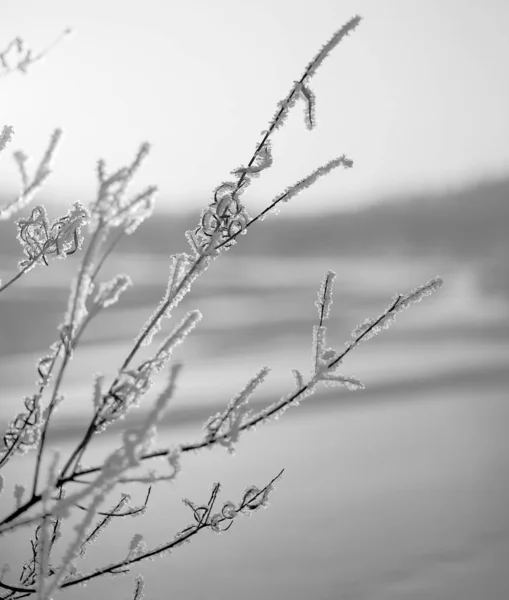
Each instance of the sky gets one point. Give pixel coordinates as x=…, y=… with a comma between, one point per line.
x=417, y=96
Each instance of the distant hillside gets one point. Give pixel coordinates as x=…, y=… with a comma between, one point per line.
x=470, y=222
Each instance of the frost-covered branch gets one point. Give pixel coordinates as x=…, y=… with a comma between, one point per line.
x=300, y=89
x=294, y=190
x=17, y=57
x=41, y=241
x=29, y=187
x=328, y=361
x=113, y=214
x=6, y=136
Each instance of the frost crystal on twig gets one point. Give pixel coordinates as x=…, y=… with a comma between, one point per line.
x=327, y=48
x=132, y=384
x=180, y=264
x=97, y=397
x=107, y=295
x=232, y=416
x=6, y=136
x=23, y=431
x=139, y=587
x=253, y=499
x=17, y=57
x=110, y=292
x=112, y=208
x=323, y=304
x=298, y=379
x=372, y=326
x=300, y=87
x=318, y=344
x=264, y=162
x=103, y=523
x=19, y=490
x=76, y=314
x=324, y=301
x=309, y=110
x=41, y=240
x=29, y=188
x=306, y=182
x=41, y=563
x=224, y=226
x=223, y=219
x=135, y=442
x=352, y=383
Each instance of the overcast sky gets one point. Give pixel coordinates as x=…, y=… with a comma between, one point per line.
x=418, y=96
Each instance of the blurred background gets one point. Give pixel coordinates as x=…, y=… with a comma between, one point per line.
x=396, y=491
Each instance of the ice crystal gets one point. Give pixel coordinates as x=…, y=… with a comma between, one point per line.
x=173, y=457
x=372, y=326
x=224, y=218
x=306, y=182
x=23, y=432
x=170, y=301
x=112, y=208
x=309, y=110
x=283, y=108
x=318, y=344
x=229, y=510
x=44, y=365
x=73, y=573
x=81, y=287
x=6, y=136
x=320, y=355
x=300, y=89
x=324, y=301
x=19, y=490
x=103, y=523
x=232, y=417
x=277, y=408
x=176, y=337
x=327, y=48
x=419, y=293
x=29, y=188
x=352, y=383
x=135, y=442
x=180, y=264
x=41, y=240
x=139, y=587
x=43, y=548
x=74, y=547
x=264, y=158
x=132, y=384
x=17, y=57
x=97, y=397
x=362, y=329
x=110, y=292
x=298, y=378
